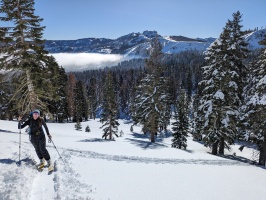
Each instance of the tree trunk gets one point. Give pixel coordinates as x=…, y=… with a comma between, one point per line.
x=152, y=137
x=110, y=128
x=221, y=147
x=215, y=148
x=32, y=93
x=262, y=157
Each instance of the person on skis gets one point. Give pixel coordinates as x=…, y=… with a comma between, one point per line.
x=37, y=137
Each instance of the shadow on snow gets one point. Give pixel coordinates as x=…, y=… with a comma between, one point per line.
x=9, y=161
x=95, y=140
x=146, y=144
x=6, y=131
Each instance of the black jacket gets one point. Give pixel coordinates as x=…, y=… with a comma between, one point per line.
x=35, y=126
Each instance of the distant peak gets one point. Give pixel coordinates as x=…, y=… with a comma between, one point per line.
x=150, y=34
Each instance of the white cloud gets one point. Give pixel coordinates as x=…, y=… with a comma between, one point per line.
x=86, y=61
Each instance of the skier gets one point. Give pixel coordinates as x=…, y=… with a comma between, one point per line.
x=37, y=138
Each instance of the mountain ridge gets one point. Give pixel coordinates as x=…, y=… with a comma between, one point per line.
x=139, y=44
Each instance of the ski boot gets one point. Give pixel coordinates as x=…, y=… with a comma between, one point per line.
x=50, y=166
x=41, y=165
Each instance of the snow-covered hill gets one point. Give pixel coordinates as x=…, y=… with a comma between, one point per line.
x=139, y=44
x=129, y=168
x=254, y=38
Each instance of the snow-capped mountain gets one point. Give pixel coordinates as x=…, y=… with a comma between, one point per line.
x=139, y=44
x=254, y=38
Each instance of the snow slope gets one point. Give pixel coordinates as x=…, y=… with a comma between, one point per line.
x=254, y=38
x=129, y=168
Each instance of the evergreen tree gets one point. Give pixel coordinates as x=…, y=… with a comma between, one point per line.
x=151, y=107
x=195, y=122
x=80, y=102
x=181, y=125
x=165, y=101
x=92, y=98
x=78, y=126
x=238, y=49
x=23, y=49
x=87, y=129
x=121, y=133
x=109, y=109
x=221, y=99
x=61, y=100
x=71, y=85
x=4, y=97
x=58, y=104
x=255, y=117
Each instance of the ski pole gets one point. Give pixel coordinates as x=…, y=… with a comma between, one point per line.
x=50, y=140
x=19, y=141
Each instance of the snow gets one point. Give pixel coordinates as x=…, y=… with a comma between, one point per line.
x=129, y=168
x=219, y=95
x=233, y=84
x=262, y=81
x=257, y=99
x=254, y=38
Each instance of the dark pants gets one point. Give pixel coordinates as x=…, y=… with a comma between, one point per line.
x=39, y=143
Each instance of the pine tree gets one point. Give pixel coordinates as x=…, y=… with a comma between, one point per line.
x=78, y=126
x=238, y=48
x=165, y=101
x=181, y=125
x=255, y=116
x=80, y=102
x=58, y=104
x=61, y=100
x=92, y=98
x=4, y=96
x=152, y=105
x=121, y=133
x=238, y=52
x=221, y=99
x=71, y=85
x=87, y=129
x=23, y=49
x=109, y=109
x=195, y=122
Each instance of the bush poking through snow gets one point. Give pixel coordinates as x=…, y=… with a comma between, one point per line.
x=87, y=129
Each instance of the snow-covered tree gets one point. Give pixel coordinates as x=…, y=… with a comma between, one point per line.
x=255, y=116
x=220, y=101
x=152, y=107
x=109, y=109
x=237, y=46
x=22, y=48
x=181, y=125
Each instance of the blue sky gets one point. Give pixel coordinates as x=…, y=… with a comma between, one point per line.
x=68, y=19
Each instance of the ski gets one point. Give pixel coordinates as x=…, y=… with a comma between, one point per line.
x=50, y=169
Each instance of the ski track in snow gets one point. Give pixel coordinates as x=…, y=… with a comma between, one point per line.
x=25, y=182
x=136, y=159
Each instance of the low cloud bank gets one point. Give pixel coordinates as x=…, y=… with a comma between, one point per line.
x=86, y=61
